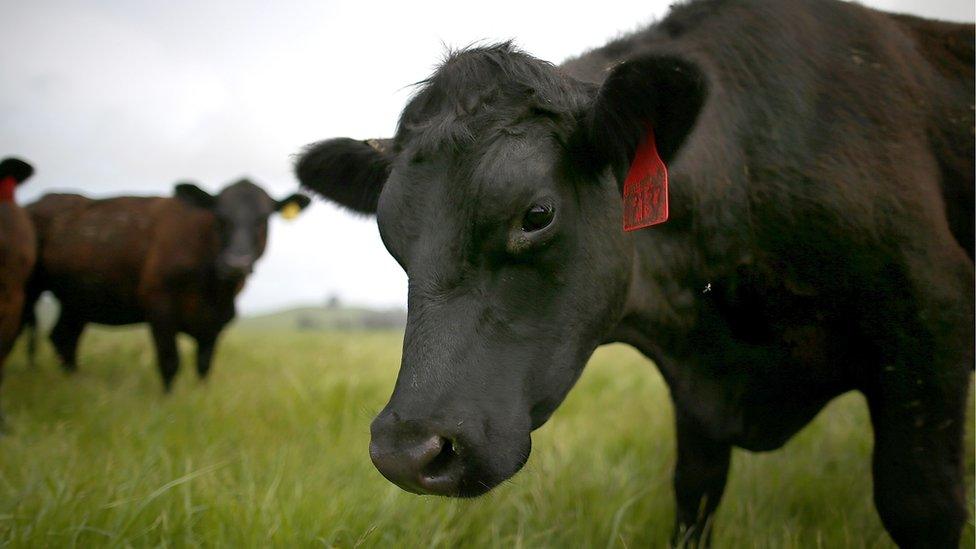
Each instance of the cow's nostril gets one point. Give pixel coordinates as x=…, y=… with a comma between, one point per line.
x=443, y=460
x=430, y=465
x=442, y=474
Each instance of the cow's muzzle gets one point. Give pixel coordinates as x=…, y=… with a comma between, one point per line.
x=418, y=458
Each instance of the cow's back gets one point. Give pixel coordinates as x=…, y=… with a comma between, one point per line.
x=825, y=122
x=100, y=257
x=948, y=47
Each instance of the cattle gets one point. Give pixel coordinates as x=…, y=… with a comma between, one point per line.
x=814, y=164
x=17, y=252
x=176, y=263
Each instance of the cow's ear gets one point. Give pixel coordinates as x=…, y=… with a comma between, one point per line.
x=348, y=172
x=15, y=168
x=293, y=205
x=663, y=94
x=191, y=194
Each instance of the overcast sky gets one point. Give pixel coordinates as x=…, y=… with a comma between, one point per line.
x=129, y=96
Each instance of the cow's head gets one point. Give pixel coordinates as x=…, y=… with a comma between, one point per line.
x=16, y=170
x=242, y=210
x=499, y=197
x=13, y=172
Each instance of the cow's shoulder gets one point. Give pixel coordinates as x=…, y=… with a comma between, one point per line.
x=17, y=246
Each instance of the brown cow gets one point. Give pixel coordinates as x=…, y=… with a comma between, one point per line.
x=17, y=252
x=176, y=263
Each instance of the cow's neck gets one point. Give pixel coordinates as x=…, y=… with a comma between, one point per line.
x=7, y=186
x=224, y=289
x=658, y=311
x=230, y=287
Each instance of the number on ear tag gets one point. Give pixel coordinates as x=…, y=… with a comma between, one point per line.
x=646, y=188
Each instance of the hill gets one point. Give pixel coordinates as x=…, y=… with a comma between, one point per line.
x=326, y=318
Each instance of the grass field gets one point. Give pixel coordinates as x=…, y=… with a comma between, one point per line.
x=273, y=451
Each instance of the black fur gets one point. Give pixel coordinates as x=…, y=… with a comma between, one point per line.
x=192, y=194
x=660, y=93
x=351, y=173
x=16, y=168
x=478, y=92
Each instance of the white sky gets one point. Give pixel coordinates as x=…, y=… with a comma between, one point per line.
x=129, y=96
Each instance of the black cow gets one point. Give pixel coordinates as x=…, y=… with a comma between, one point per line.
x=820, y=241
x=177, y=263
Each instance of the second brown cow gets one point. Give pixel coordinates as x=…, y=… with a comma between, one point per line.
x=176, y=263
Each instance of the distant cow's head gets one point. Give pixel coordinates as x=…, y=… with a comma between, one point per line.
x=499, y=197
x=242, y=211
x=16, y=169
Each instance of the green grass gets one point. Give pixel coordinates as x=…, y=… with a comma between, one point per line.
x=273, y=451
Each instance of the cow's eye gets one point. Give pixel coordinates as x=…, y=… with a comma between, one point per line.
x=537, y=218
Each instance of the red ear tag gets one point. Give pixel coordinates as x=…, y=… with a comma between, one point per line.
x=646, y=188
x=7, y=186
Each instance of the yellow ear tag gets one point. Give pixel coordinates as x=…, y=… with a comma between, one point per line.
x=290, y=210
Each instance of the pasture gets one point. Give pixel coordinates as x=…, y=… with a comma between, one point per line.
x=272, y=451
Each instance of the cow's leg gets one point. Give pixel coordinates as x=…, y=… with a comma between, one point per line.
x=28, y=320
x=10, y=312
x=7, y=335
x=65, y=336
x=918, y=476
x=167, y=356
x=205, y=350
x=3, y=419
x=920, y=320
x=699, y=480
x=9, y=328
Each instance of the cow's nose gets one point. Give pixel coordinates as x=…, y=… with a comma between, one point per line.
x=239, y=263
x=421, y=462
